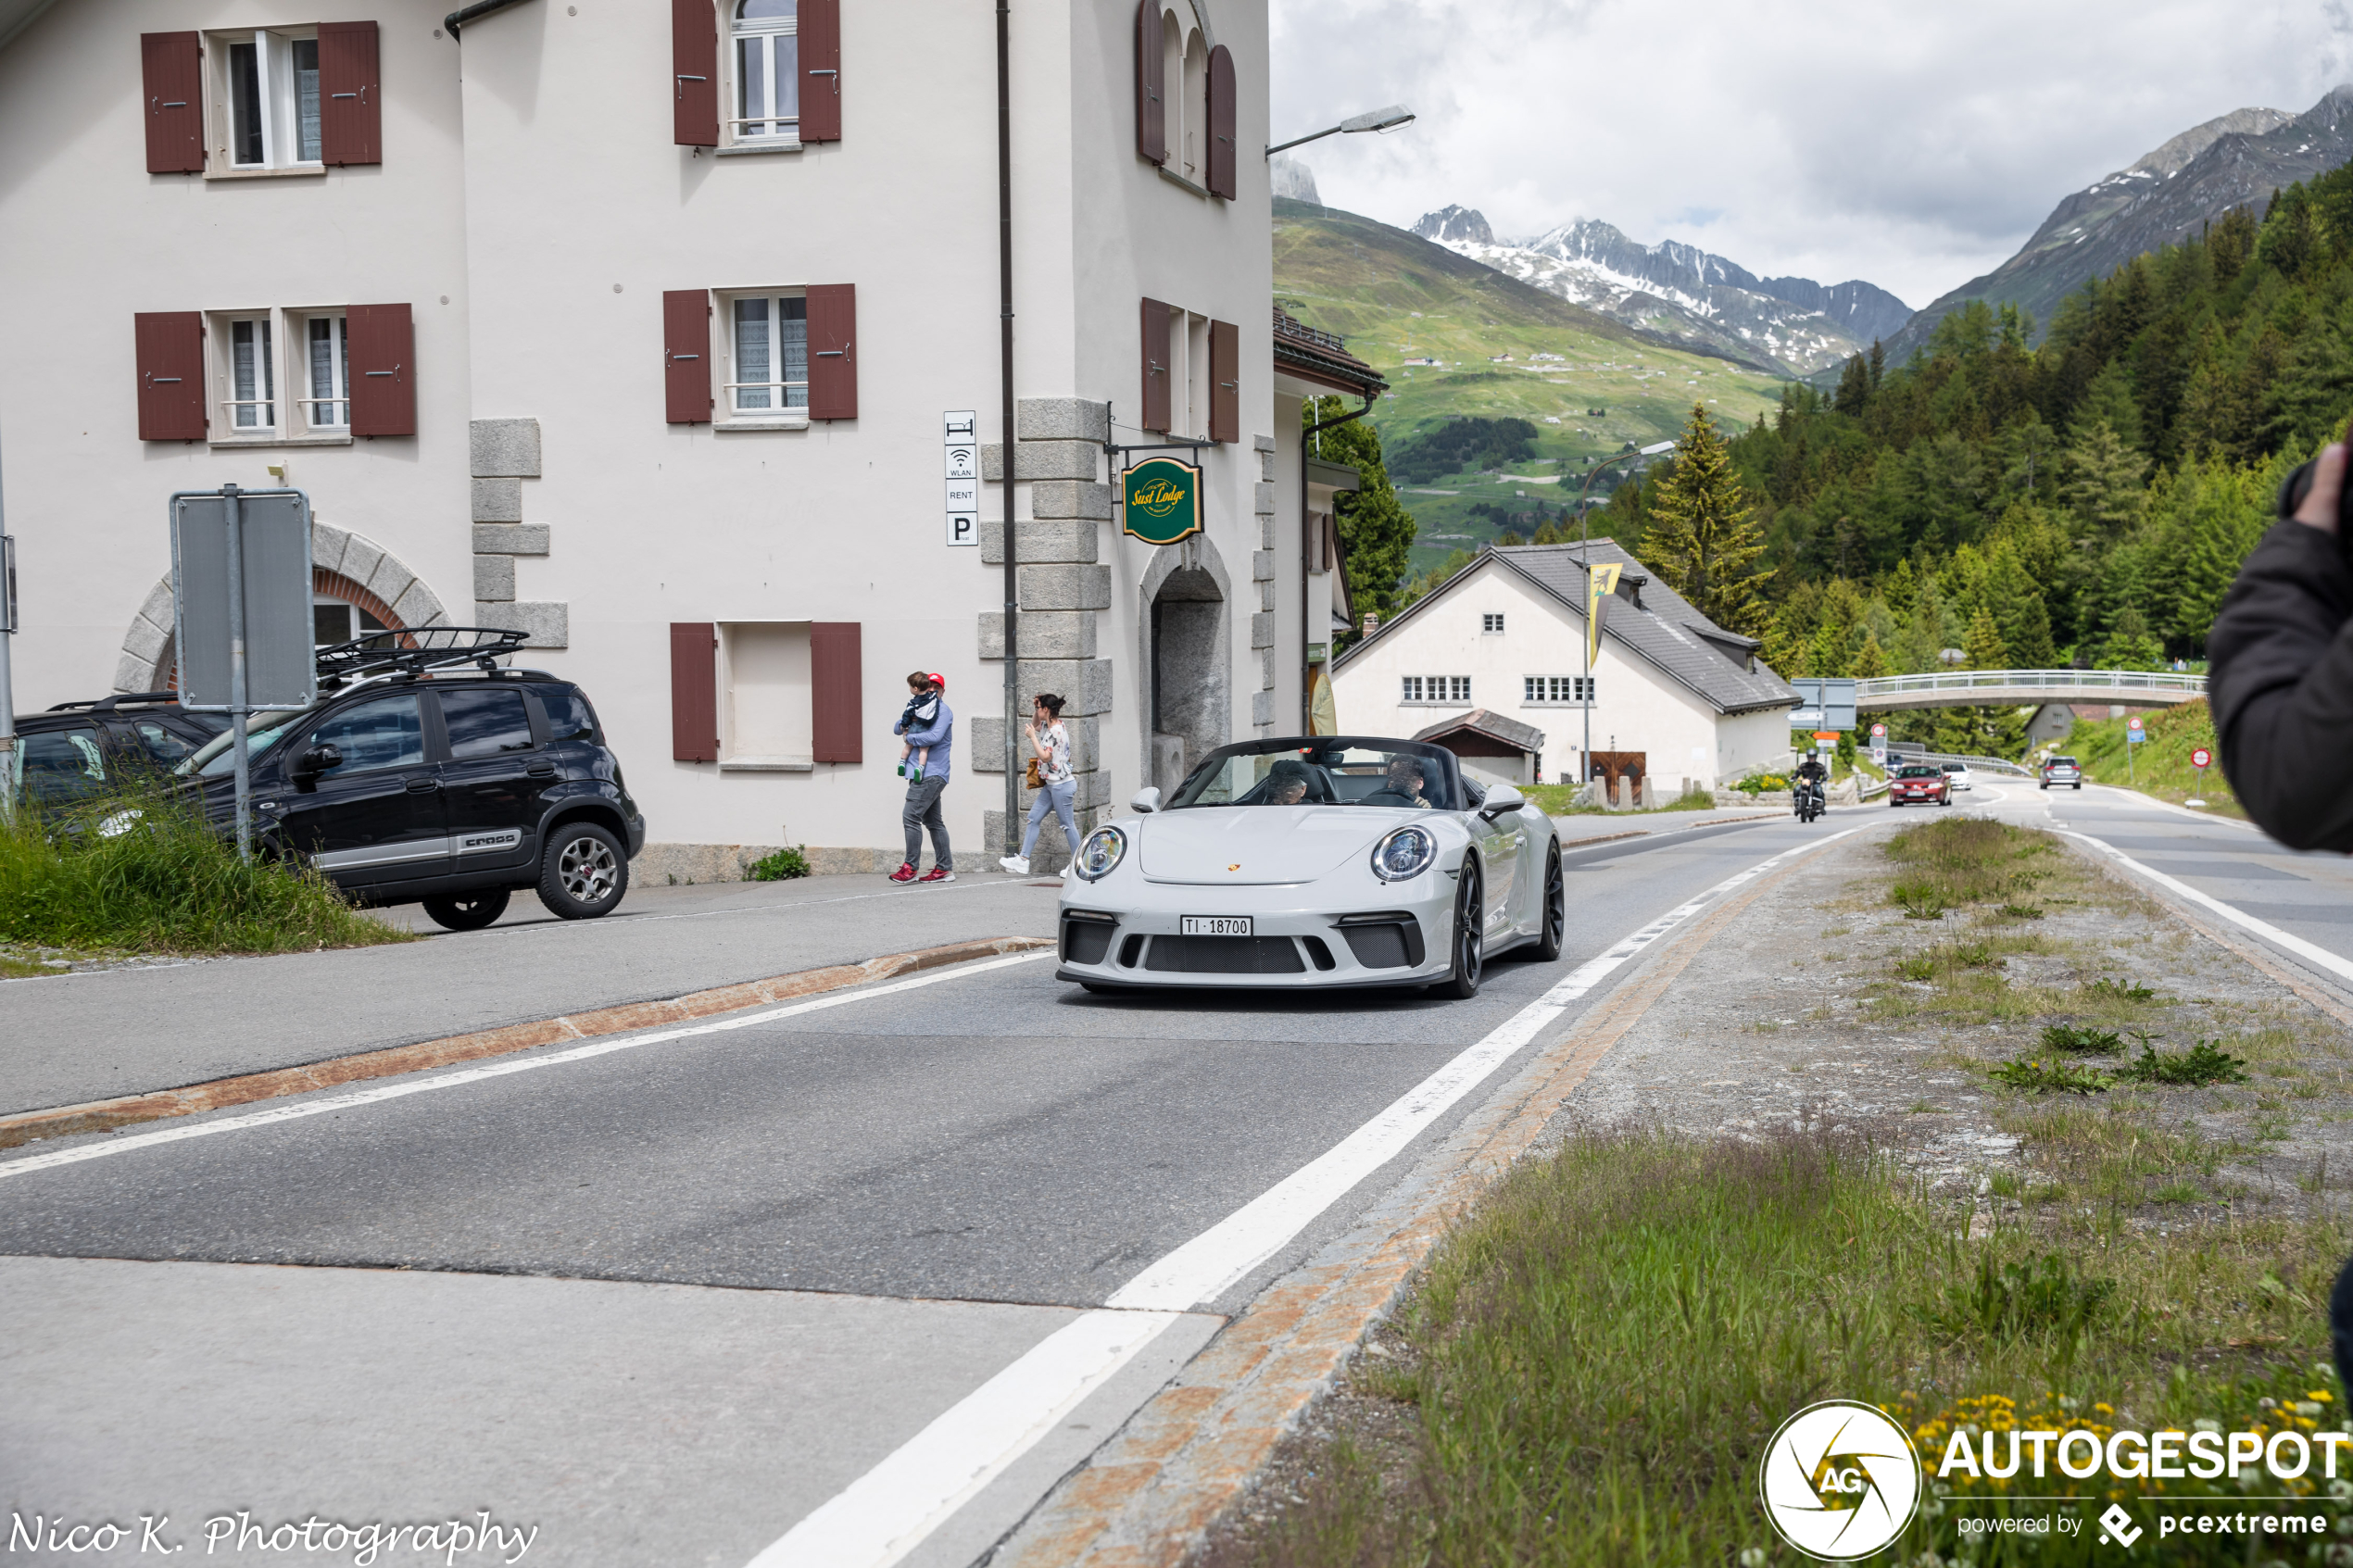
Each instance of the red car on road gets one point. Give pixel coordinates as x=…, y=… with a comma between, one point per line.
x=1917, y=783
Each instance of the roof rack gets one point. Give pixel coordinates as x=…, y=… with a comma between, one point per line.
x=108, y=704
x=414, y=651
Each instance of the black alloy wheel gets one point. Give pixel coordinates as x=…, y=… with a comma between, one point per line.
x=1552, y=934
x=1470, y=948
x=583, y=873
x=467, y=911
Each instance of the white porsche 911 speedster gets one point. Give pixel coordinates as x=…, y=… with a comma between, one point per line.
x=1317, y=861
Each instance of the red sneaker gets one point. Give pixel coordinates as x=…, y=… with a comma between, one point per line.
x=936, y=874
x=905, y=873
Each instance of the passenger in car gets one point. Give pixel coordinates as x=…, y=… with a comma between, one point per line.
x=1403, y=785
x=1287, y=782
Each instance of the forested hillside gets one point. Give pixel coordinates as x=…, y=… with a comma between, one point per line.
x=2092, y=497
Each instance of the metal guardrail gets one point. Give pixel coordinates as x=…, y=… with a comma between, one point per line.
x=1900, y=752
x=2169, y=682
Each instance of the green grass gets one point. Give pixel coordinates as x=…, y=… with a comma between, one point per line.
x=1597, y=1355
x=785, y=865
x=1396, y=296
x=2203, y=1063
x=102, y=879
x=2038, y=1076
x=2082, y=1041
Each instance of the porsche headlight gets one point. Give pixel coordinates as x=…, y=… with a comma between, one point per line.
x=1404, y=854
x=1100, y=853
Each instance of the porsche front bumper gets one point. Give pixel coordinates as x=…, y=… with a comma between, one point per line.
x=1301, y=935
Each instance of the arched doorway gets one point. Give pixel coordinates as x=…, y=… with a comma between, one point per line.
x=1189, y=685
x=379, y=591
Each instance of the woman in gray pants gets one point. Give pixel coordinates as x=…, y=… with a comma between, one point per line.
x=1051, y=743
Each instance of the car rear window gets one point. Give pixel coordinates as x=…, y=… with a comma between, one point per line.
x=568, y=715
x=2062, y=761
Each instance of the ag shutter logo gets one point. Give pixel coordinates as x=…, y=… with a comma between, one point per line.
x=1840, y=1480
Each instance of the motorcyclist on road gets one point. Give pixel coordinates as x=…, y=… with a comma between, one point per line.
x=1811, y=773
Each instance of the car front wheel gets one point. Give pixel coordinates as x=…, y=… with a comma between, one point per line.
x=1470, y=949
x=467, y=911
x=583, y=873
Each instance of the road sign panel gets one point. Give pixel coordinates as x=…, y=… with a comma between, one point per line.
x=2133, y=723
x=2200, y=758
x=1878, y=729
x=272, y=599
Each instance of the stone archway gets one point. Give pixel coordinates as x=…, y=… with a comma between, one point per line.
x=345, y=565
x=1185, y=659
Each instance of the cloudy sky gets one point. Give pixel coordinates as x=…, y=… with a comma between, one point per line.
x=1911, y=146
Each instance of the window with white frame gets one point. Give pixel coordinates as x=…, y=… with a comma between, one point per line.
x=1435, y=688
x=326, y=403
x=1550, y=691
x=280, y=375
x=266, y=99
x=1491, y=625
x=767, y=355
x=766, y=61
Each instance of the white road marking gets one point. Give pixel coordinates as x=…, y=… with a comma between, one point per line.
x=887, y=1513
x=399, y=1088
x=2309, y=951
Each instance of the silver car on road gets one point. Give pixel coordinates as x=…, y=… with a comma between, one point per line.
x=1315, y=862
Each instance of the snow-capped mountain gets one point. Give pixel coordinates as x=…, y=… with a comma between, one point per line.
x=2236, y=159
x=1793, y=325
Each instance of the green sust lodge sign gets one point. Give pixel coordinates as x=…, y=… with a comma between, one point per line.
x=1161, y=499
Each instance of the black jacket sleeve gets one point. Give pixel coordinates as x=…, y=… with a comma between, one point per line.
x=2282, y=687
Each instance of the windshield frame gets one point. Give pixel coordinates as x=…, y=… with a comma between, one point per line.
x=1309, y=748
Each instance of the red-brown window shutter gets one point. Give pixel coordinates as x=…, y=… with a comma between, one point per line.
x=694, y=67
x=382, y=350
x=693, y=691
x=685, y=355
x=350, y=96
x=819, y=26
x=1225, y=382
x=170, y=347
x=1151, y=115
x=837, y=686
x=1221, y=123
x=832, y=351
x=1156, y=390
x=171, y=71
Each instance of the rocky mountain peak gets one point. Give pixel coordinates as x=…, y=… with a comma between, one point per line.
x=1455, y=225
x=1293, y=179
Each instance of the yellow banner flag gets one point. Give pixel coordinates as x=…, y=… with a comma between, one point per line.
x=1601, y=581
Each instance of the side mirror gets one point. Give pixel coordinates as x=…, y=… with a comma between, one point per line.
x=1501, y=798
x=1144, y=800
x=315, y=761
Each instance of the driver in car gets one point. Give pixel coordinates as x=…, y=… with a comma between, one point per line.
x=1287, y=782
x=1404, y=786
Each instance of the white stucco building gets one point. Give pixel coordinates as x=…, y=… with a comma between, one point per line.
x=1674, y=695
x=640, y=327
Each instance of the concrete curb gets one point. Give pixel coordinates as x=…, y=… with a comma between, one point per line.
x=1150, y=1496
x=100, y=1116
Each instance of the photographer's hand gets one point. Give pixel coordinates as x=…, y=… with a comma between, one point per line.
x=2318, y=509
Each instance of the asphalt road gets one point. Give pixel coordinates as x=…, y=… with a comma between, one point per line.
x=887, y=1198
x=2297, y=900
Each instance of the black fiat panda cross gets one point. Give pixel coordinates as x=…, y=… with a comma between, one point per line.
x=427, y=773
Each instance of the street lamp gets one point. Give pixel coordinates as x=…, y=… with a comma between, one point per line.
x=1584, y=558
x=1389, y=118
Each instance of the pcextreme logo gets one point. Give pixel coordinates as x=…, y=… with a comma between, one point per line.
x=1840, y=1480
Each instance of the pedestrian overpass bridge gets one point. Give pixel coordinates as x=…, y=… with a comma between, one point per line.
x=2021, y=688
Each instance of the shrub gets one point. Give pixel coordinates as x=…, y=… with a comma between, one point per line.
x=145, y=872
x=2121, y=990
x=782, y=866
x=2203, y=1063
x=2038, y=1076
x=2082, y=1041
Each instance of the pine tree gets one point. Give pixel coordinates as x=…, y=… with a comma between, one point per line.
x=1854, y=386
x=1871, y=662
x=2130, y=646
x=2103, y=485
x=1703, y=538
x=1375, y=531
x=1984, y=645
x=1879, y=363
x=2109, y=400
